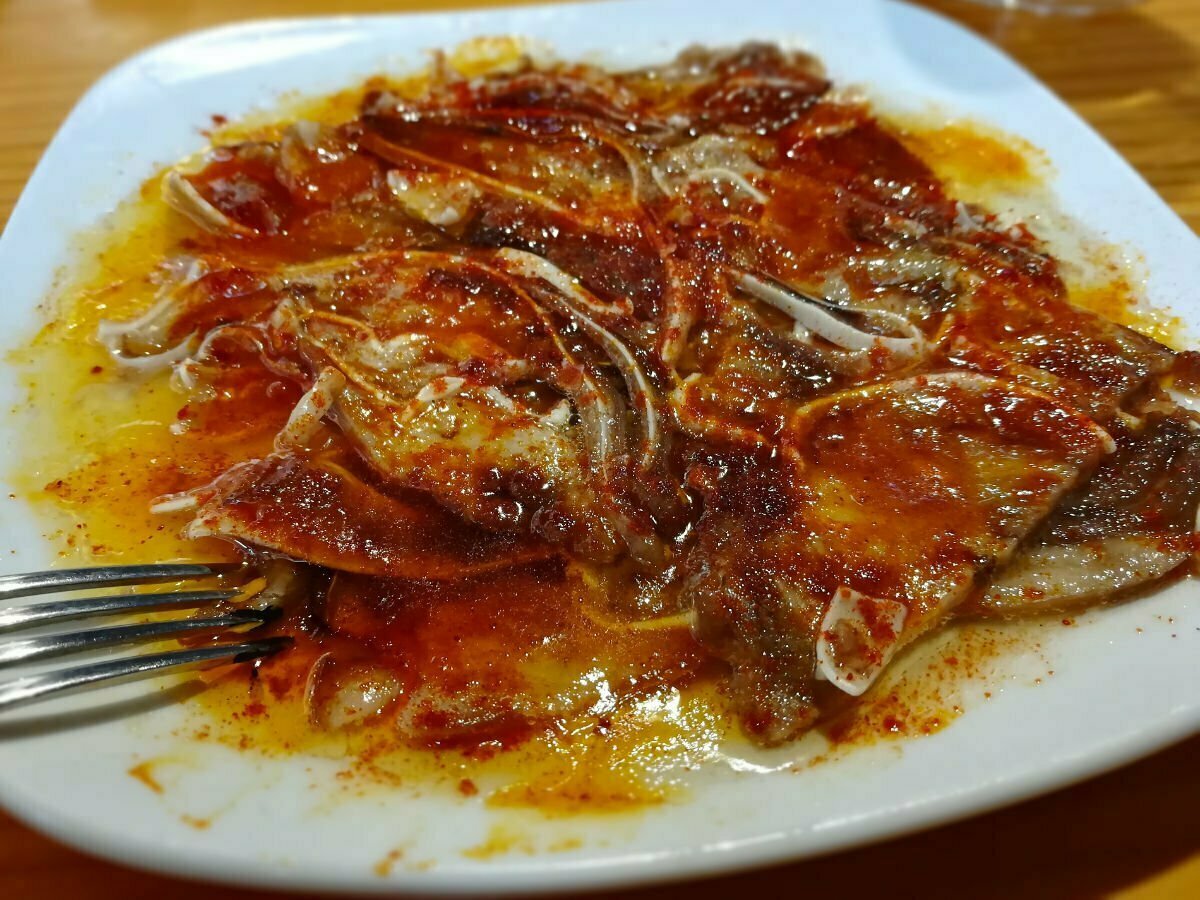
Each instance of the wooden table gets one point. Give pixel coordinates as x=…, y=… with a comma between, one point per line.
x=1135, y=833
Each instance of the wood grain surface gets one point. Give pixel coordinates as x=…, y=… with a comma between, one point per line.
x=1135, y=833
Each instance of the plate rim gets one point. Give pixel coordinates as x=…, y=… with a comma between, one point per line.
x=597, y=874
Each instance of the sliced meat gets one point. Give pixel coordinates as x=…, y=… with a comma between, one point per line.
x=755, y=87
x=749, y=378
x=1052, y=576
x=1129, y=526
x=605, y=241
x=307, y=195
x=1039, y=339
x=318, y=511
x=490, y=459
x=905, y=493
x=448, y=380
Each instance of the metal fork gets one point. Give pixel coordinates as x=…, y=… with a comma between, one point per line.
x=30, y=688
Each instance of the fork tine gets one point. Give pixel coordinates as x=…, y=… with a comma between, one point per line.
x=102, y=576
x=13, y=652
x=14, y=617
x=19, y=691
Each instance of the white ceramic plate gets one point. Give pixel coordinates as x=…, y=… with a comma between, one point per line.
x=1126, y=682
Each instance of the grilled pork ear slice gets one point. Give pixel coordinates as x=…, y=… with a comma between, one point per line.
x=1077, y=357
x=882, y=510
x=491, y=459
x=1130, y=525
x=318, y=511
x=454, y=382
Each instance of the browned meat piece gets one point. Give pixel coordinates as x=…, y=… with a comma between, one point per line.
x=317, y=511
x=1129, y=526
x=882, y=510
